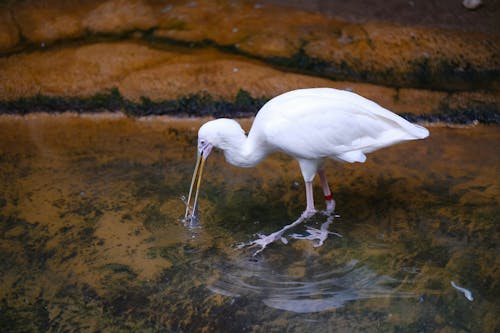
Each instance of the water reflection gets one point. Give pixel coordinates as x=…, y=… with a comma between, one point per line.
x=317, y=236
x=92, y=239
x=322, y=287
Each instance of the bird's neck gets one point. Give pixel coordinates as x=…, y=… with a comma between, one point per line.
x=244, y=151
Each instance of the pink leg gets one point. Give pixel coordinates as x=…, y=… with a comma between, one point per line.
x=310, y=200
x=330, y=203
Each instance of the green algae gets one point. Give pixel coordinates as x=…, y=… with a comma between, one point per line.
x=120, y=268
x=110, y=101
x=485, y=113
x=202, y=104
x=447, y=75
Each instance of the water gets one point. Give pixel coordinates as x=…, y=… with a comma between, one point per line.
x=92, y=236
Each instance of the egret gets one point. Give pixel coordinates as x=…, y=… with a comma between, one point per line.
x=310, y=125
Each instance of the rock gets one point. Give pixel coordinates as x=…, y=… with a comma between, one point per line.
x=118, y=16
x=222, y=47
x=140, y=71
x=305, y=41
x=49, y=21
x=76, y=71
x=9, y=34
x=52, y=20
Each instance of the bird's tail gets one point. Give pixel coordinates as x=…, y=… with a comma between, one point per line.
x=420, y=132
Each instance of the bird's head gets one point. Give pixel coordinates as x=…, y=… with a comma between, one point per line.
x=220, y=133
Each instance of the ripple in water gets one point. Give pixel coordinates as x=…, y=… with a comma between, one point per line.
x=318, y=287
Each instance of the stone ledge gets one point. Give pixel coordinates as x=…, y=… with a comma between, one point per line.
x=142, y=80
x=376, y=52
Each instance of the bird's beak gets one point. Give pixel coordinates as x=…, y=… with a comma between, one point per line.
x=198, y=172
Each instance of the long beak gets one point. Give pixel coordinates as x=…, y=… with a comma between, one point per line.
x=198, y=171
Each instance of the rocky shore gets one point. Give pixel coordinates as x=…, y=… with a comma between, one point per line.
x=228, y=57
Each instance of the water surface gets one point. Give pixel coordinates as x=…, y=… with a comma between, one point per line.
x=92, y=237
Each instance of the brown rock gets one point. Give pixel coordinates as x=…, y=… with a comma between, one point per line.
x=49, y=21
x=215, y=73
x=381, y=52
x=378, y=52
x=52, y=20
x=408, y=55
x=117, y=16
x=9, y=34
x=263, y=31
x=77, y=71
x=141, y=71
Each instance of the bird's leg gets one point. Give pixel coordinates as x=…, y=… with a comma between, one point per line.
x=330, y=203
x=310, y=210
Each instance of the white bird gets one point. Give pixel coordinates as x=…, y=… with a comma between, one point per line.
x=310, y=125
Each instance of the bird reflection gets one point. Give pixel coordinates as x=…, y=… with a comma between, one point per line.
x=317, y=236
x=330, y=288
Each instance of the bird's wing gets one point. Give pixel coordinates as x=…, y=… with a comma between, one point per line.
x=317, y=123
x=338, y=98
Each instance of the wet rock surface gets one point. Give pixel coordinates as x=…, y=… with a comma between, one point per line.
x=92, y=238
x=162, y=52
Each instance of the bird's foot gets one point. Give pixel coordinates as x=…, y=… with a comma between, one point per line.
x=265, y=240
x=318, y=236
x=330, y=205
x=308, y=213
x=313, y=234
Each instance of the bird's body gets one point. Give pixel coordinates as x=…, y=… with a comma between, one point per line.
x=310, y=125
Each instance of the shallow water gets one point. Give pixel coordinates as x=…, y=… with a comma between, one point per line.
x=92, y=235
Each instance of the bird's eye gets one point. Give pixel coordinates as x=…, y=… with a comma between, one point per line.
x=202, y=142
